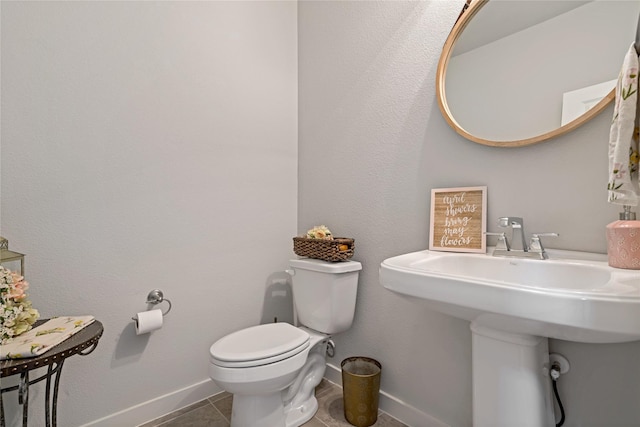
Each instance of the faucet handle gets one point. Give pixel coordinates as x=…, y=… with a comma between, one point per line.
x=503, y=243
x=536, y=243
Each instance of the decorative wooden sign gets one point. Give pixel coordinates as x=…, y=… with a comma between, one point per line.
x=458, y=219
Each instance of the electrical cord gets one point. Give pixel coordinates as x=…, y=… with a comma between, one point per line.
x=554, y=372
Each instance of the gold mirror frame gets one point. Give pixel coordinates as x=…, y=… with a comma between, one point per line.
x=465, y=17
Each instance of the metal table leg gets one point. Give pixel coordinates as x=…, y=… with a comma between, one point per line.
x=50, y=405
x=23, y=396
x=47, y=398
x=55, y=394
x=2, y=423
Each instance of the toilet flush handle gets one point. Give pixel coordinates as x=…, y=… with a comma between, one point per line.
x=290, y=271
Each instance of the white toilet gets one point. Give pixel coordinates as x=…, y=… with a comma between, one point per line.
x=273, y=369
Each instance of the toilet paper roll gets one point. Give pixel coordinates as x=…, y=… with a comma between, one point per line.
x=148, y=321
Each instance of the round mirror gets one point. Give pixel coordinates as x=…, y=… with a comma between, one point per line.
x=515, y=73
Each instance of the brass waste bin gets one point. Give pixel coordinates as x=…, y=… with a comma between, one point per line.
x=361, y=388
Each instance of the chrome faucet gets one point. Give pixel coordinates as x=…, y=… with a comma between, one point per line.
x=516, y=224
x=514, y=244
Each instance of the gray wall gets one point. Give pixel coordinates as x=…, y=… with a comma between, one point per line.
x=148, y=145
x=373, y=144
x=153, y=144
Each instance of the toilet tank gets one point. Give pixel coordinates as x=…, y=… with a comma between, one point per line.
x=324, y=293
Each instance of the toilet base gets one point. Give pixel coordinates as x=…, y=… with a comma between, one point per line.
x=291, y=407
x=257, y=411
x=303, y=413
x=267, y=411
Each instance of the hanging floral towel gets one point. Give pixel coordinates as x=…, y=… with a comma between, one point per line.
x=624, y=182
x=44, y=337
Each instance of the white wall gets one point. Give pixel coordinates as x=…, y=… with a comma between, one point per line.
x=153, y=144
x=148, y=145
x=372, y=145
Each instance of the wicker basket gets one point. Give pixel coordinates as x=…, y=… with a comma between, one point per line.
x=327, y=250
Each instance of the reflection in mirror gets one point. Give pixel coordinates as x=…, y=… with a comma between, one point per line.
x=510, y=70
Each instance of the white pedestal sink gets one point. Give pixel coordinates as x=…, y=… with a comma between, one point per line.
x=514, y=306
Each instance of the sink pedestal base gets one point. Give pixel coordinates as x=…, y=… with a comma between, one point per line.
x=511, y=384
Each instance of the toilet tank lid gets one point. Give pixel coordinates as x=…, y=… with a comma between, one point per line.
x=325, y=266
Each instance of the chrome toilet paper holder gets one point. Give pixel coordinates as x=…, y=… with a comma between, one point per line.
x=155, y=297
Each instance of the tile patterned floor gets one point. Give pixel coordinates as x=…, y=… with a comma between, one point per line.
x=216, y=412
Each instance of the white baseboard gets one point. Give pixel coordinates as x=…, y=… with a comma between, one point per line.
x=393, y=406
x=155, y=408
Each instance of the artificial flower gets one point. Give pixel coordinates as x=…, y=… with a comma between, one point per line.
x=320, y=232
x=16, y=314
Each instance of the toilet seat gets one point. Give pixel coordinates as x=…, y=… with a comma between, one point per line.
x=259, y=345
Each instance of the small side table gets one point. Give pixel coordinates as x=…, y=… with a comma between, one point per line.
x=82, y=343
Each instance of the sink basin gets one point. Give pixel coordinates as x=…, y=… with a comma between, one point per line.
x=514, y=306
x=573, y=296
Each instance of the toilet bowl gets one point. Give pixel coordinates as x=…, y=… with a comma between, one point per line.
x=272, y=369
x=264, y=393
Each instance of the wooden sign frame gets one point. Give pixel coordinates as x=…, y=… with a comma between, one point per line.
x=458, y=219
